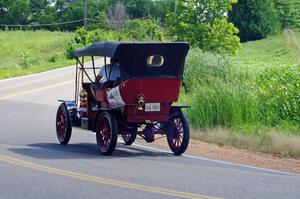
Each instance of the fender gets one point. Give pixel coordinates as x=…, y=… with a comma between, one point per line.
x=174, y=111
x=95, y=120
x=72, y=109
x=177, y=108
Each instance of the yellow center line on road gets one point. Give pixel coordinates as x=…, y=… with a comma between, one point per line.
x=35, y=90
x=99, y=180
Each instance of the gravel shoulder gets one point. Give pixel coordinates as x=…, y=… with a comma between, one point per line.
x=235, y=155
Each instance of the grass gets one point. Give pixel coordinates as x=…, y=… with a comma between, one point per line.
x=297, y=35
x=27, y=52
x=272, y=142
x=270, y=52
x=294, y=43
x=251, y=100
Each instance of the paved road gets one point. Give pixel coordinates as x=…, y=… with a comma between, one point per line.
x=34, y=165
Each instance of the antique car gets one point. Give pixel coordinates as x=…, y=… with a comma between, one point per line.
x=139, y=102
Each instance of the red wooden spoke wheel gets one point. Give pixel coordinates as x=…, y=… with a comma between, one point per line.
x=63, y=125
x=129, y=138
x=106, y=133
x=178, y=134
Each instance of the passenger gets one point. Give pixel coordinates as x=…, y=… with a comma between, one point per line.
x=109, y=73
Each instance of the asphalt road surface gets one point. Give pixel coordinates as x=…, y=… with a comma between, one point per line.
x=34, y=165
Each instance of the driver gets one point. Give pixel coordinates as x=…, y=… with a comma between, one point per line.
x=109, y=73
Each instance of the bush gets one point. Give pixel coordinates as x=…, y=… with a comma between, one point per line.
x=27, y=60
x=54, y=57
x=134, y=30
x=85, y=38
x=143, y=30
x=218, y=93
x=101, y=35
x=278, y=92
x=71, y=48
x=221, y=93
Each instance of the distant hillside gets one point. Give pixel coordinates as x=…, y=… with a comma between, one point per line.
x=281, y=49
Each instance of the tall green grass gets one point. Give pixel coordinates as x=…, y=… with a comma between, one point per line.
x=26, y=52
x=220, y=94
x=241, y=94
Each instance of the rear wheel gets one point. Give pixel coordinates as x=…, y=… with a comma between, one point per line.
x=106, y=133
x=129, y=138
x=178, y=134
x=63, y=125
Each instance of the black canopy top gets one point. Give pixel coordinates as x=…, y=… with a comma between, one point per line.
x=99, y=49
x=133, y=57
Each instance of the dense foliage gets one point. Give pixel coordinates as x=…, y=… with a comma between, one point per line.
x=288, y=12
x=218, y=93
x=223, y=93
x=278, y=91
x=203, y=23
x=35, y=12
x=142, y=30
x=133, y=30
x=256, y=19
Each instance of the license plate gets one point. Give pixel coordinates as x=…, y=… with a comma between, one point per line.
x=149, y=107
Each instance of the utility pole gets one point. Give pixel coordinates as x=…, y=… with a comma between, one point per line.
x=85, y=14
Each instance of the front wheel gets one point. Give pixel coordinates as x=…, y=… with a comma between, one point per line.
x=178, y=134
x=63, y=125
x=106, y=133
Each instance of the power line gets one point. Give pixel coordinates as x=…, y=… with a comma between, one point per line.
x=40, y=25
x=108, y=21
x=62, y=23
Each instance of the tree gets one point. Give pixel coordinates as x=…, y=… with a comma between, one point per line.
x=15, y=11
x=288, y=12
x=136, y=8
x=160, y=8
x=101, y=22
x=37, y=9
x=256, y=19
x=73, y=10
x=203, y=23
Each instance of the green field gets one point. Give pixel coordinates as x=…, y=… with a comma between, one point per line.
x=273, y=51
x=26, y=52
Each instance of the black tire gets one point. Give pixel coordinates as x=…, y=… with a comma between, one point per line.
x=63, y=125
x=106, y=133
x=129, y=138
x=178, y=134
